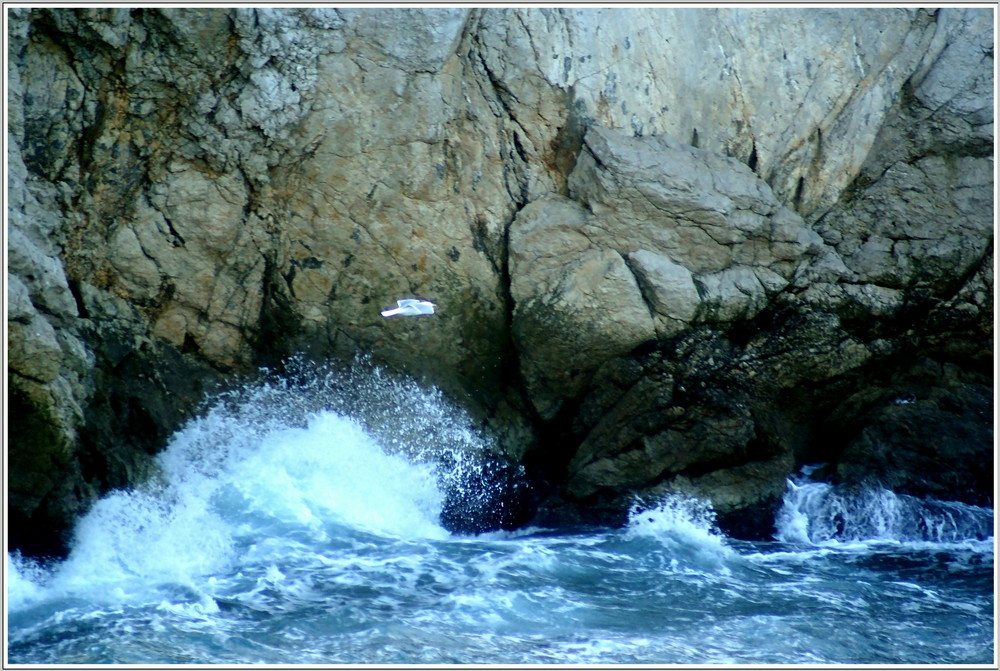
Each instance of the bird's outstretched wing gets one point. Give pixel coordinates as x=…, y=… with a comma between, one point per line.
x=410, y=307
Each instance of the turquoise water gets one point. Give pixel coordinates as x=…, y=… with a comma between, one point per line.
x=300, y=524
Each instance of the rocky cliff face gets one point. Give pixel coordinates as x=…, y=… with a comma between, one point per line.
x=672, y=249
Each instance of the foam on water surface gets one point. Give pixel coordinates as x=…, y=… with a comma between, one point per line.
x=298, y=521
x=233, y=483
x=818, y=512
x=685, y=526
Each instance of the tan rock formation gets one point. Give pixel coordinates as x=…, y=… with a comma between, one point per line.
x=195, y=192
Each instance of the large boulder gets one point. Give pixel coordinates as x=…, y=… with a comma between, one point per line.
x=668, y=237
x=706, y=414
x=577, y=303
x=217, y=189
x=196, y=192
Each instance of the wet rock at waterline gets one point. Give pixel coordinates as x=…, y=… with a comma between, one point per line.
x=671, y=249
x=488, y=494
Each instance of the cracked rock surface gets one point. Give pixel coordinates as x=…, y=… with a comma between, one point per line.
x=672, y=249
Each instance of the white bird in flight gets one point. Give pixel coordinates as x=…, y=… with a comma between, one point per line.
x=410, y=307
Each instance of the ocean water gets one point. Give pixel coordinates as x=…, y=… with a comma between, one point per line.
x=297, y=521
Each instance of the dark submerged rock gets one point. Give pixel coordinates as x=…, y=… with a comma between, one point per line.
x=487, y=494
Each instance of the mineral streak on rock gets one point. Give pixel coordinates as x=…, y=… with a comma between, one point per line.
x=680, y=249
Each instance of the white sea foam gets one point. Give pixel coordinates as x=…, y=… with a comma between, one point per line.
x=686, y=526
x=25, y=581
x=298, y=523
x=818, y=513
x=333, y=471
x=229, y=482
